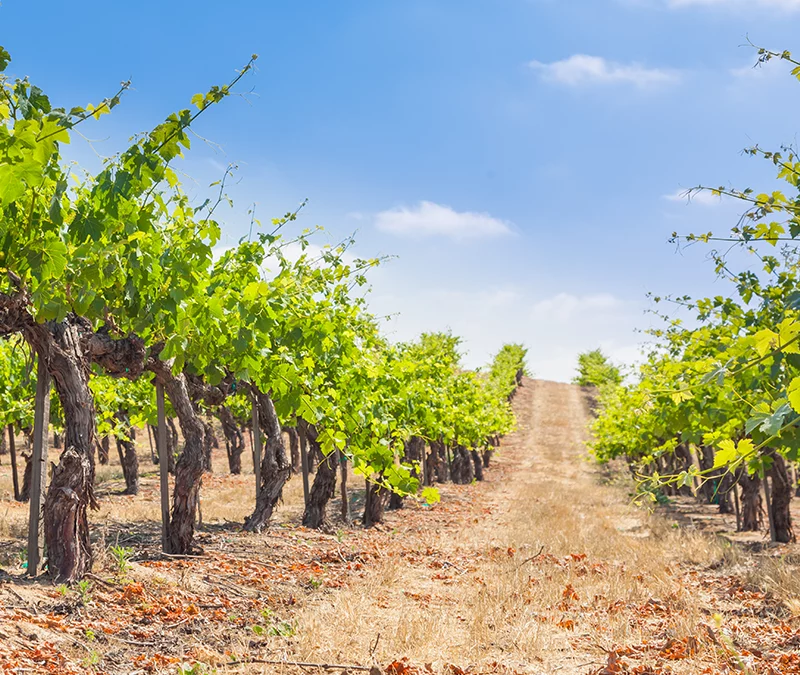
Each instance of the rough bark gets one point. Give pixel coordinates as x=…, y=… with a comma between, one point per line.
x=710, y=489
x=315, y=456
x=781, y=498
x=487, y=457
x=68, y=349
x=208, y=445
x=172, y=444
x=724, y=490
x=396, y=501
x=127, y=454
x=461, y=469
x=374, y=504
x=12, y=447
x=477, y=463
x=103, y=448
x=683, y=458
x=275, y=468
x=189, y=466
x=324, y=486
x=234, y=440
x=27, y=474
x=752, y=509
x=440, y=466
x=57, y=440
x=294, y=448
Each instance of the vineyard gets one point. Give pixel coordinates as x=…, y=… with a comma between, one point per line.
x=213, y=459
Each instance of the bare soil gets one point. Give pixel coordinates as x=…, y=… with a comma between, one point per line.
x=545, y=567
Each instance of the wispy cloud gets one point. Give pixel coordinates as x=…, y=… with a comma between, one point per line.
x=582, y=70
x=703, y=197
x=429, y=219
x=565, y=306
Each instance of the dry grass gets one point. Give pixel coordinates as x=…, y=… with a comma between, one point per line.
x=544, y=543
x=542, y=568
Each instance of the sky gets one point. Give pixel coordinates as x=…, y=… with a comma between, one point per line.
x=521, y=161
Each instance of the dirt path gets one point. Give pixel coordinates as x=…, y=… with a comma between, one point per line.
x=545, y=567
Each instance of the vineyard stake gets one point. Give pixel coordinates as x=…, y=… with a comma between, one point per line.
x=345, y=498
x=41, y=425
x=256, y=447
x=773, y=536
x=163, y=467
x=12, y=448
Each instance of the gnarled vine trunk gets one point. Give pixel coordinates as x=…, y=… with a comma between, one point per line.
x=68, y=349
x=189, y=466
x=725, y=487
x=477, y=463
x=27, y=476
x=127, y=454
x=461, y=468
x=374, y=504
x=103, y=448
x=275, y=468
x=294, y=448
x=172, y=445
x=208, y=444
x=324, y=486
x=234, y=440
x=752, y=510
x=781, y=498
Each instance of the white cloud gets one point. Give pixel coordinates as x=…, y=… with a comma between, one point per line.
x=555, y=329
x=565, y=306
x=582, y=69
x=430, y=219
x=703, y=197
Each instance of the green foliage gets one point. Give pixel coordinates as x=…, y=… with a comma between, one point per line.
x=121, y=555
x=729, y=382
x=595, y=370
x=129, y=253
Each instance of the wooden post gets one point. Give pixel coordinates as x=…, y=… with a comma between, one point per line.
x=736, y=507
x=163, y=467
x=41, y=424
x=772, y=534
x=12, y=448
x=345, y=497
x=301, y=432
x=256, y=447
x=424, y=468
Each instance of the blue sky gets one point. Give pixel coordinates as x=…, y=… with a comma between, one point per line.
x=517, y=156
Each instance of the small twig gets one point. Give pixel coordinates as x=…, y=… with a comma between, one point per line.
x=455, y=567
x=133, y=642
x=299, y=664
x=375, y=646
x=105, y=583
x=533, y=557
